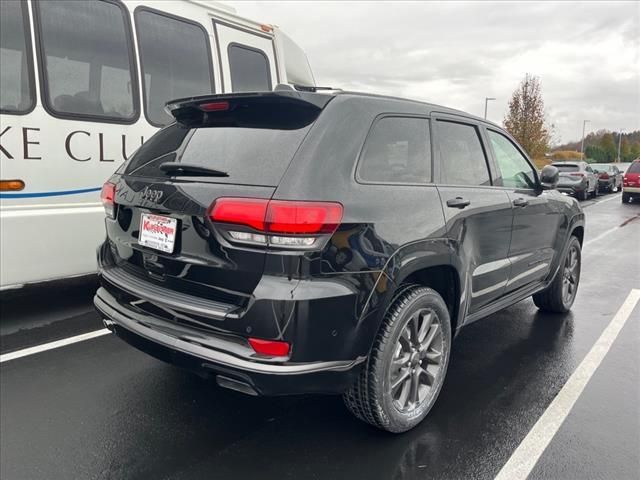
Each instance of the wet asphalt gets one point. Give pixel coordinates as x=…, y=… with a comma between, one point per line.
x=100, y=409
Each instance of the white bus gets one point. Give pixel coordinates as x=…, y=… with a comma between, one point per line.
x=82, y=85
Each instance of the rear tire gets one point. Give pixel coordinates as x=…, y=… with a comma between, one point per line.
x=559, y=296
x=582, y=196
x=401, y=379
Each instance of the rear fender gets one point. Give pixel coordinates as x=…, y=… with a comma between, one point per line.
x=403, y=262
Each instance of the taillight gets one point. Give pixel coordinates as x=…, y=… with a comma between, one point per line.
x=272, y=348
x=279, y=223
x=108, y=195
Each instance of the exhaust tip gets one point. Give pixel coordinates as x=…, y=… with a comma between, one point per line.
x=108, y=324
x=237, y=385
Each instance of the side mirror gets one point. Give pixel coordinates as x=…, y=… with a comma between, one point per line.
x=549, y=177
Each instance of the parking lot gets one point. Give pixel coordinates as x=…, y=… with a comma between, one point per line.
x=100, y=409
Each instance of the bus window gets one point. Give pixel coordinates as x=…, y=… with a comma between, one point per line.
x=87, y=60
x=16, y=74
x=249, y=69
x=175, y=59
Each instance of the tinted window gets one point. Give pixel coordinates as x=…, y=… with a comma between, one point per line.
x=461, y=155
x=567, y=168
x=251, y=156
x=514, y=168
x=249, y=69
x=634, y=168
x=397, y=150
x=16, y=83
x=86, y=59
x=175, y=62
x=162, y=145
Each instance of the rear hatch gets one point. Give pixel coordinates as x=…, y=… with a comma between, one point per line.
x=632, y=176
x=569, y=173
x=221, y=146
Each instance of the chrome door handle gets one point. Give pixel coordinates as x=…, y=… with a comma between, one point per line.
x=458, y=202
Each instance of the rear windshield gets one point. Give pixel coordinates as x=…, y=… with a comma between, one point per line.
x=250, y=156
x=634, y=168
x=568, y=168
x=602, y=167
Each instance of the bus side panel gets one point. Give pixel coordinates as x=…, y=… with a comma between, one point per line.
x=52, y=227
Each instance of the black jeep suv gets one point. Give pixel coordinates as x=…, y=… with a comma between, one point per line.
x=295, y=242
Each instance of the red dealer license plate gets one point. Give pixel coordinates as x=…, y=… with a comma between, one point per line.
x=158, y=232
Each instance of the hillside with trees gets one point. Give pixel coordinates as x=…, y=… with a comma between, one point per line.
x=602, y=146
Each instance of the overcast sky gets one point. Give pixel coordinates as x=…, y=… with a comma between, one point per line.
x=457, y=53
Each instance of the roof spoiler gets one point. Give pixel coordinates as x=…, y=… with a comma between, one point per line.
x=280, y=109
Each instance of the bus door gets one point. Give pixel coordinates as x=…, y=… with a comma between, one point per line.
x=247, y=58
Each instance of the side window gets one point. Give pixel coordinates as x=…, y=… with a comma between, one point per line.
x=398, y=150
x=175, y=59
x=462, y=158
x=516, y=171
x=16, y=73
x=249, y=69
x=86, y=59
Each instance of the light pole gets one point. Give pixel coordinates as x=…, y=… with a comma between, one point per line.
x=584, y=125
x=486, y=101
x=619, y=143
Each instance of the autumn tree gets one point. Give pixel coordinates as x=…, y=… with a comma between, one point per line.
x=525, y=119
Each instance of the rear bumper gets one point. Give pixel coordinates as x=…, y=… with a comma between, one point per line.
x=631, y=189
x=571, y=189
x=215, y=355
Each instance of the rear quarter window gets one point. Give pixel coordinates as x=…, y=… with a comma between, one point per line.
x=397, y=150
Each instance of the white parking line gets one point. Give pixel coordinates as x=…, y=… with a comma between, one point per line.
x=525, y=457
x=51, y=345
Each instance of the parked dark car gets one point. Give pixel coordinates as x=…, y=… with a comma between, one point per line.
x=578, y=179
x=631, y=182
x=609, y=176
x=299, y=242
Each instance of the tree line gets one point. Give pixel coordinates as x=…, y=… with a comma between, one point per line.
x=525, y=121
x=602, y=146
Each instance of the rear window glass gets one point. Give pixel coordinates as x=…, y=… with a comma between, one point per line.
x=568, y=168
x=250, y=156
x=634, y=168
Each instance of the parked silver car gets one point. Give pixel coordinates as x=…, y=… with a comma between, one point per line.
x=577, y=178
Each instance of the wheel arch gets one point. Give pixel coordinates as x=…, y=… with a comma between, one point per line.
x=426, y=263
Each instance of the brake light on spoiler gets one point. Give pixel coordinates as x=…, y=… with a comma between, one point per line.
x=278, y=223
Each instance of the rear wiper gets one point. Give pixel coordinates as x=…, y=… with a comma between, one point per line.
x=177, y=168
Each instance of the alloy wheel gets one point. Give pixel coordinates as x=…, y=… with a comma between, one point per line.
x=417, y=360
x=570, y=275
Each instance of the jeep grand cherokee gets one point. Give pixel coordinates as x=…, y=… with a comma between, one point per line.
x=305, y=241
